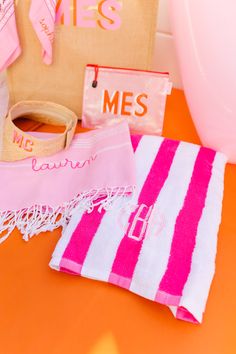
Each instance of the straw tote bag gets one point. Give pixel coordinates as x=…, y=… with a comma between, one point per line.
x=107, y=32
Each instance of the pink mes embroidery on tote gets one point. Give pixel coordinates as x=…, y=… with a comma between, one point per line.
x=61, y=164
x=90, y=13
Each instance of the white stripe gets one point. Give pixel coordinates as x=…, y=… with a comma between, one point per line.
x=154, y=255
x=100, y=135
x=173, y=309
x=51, y=7
x=103, y=248
x=196, y=289
x=107, y=148
x=85, y=139
x=6, y=16
x=115, y=147
x=78, y=141
x=65, y=239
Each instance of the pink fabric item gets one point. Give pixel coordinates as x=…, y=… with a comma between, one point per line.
x=113, y=94
x=97, y=169
x=9, y=40
x=43, y=16
x=161, y=245
x=79, y=245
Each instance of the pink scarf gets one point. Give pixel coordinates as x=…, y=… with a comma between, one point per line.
x=4, y=103
x=161, y=246
x=97, y=169
x=42, y=15
x=9, y=41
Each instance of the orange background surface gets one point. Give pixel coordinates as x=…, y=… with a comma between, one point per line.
x=46, y=312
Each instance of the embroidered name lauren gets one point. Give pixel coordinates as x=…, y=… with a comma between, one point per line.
x=66, y=163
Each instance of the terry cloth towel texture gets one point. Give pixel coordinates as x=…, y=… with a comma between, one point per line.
x=43, y=15
x=9, y=41
x=162, y=245
x=40, y=194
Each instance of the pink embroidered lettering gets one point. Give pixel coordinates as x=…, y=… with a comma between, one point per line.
x=90, y=13
x=61, y=164
x=46, y=30
x=23, y=143
x=17, y=139
x=28, y=145
x=142, y=216
x=137, y=229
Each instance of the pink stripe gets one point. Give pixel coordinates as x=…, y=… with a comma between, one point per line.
x=70, y=267
x=184, y=238
x=82, y=237
x=119, y=281
x=129, y=249
x=135, y=140
x=167, y=299
x=183, y=314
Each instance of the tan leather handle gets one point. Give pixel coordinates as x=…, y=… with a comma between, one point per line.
x=18, y=145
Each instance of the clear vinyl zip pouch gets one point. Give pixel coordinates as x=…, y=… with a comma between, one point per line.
x=112, y=95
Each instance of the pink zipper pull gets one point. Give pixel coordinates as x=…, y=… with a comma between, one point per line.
x=95, y=81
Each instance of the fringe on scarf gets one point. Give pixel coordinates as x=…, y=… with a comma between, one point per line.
x=41, y=218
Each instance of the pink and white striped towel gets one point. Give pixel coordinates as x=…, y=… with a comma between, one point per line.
x=9, y=41
x=162, y=245
x=43, y=16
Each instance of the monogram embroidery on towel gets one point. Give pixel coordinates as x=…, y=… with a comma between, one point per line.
x=141, y=217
